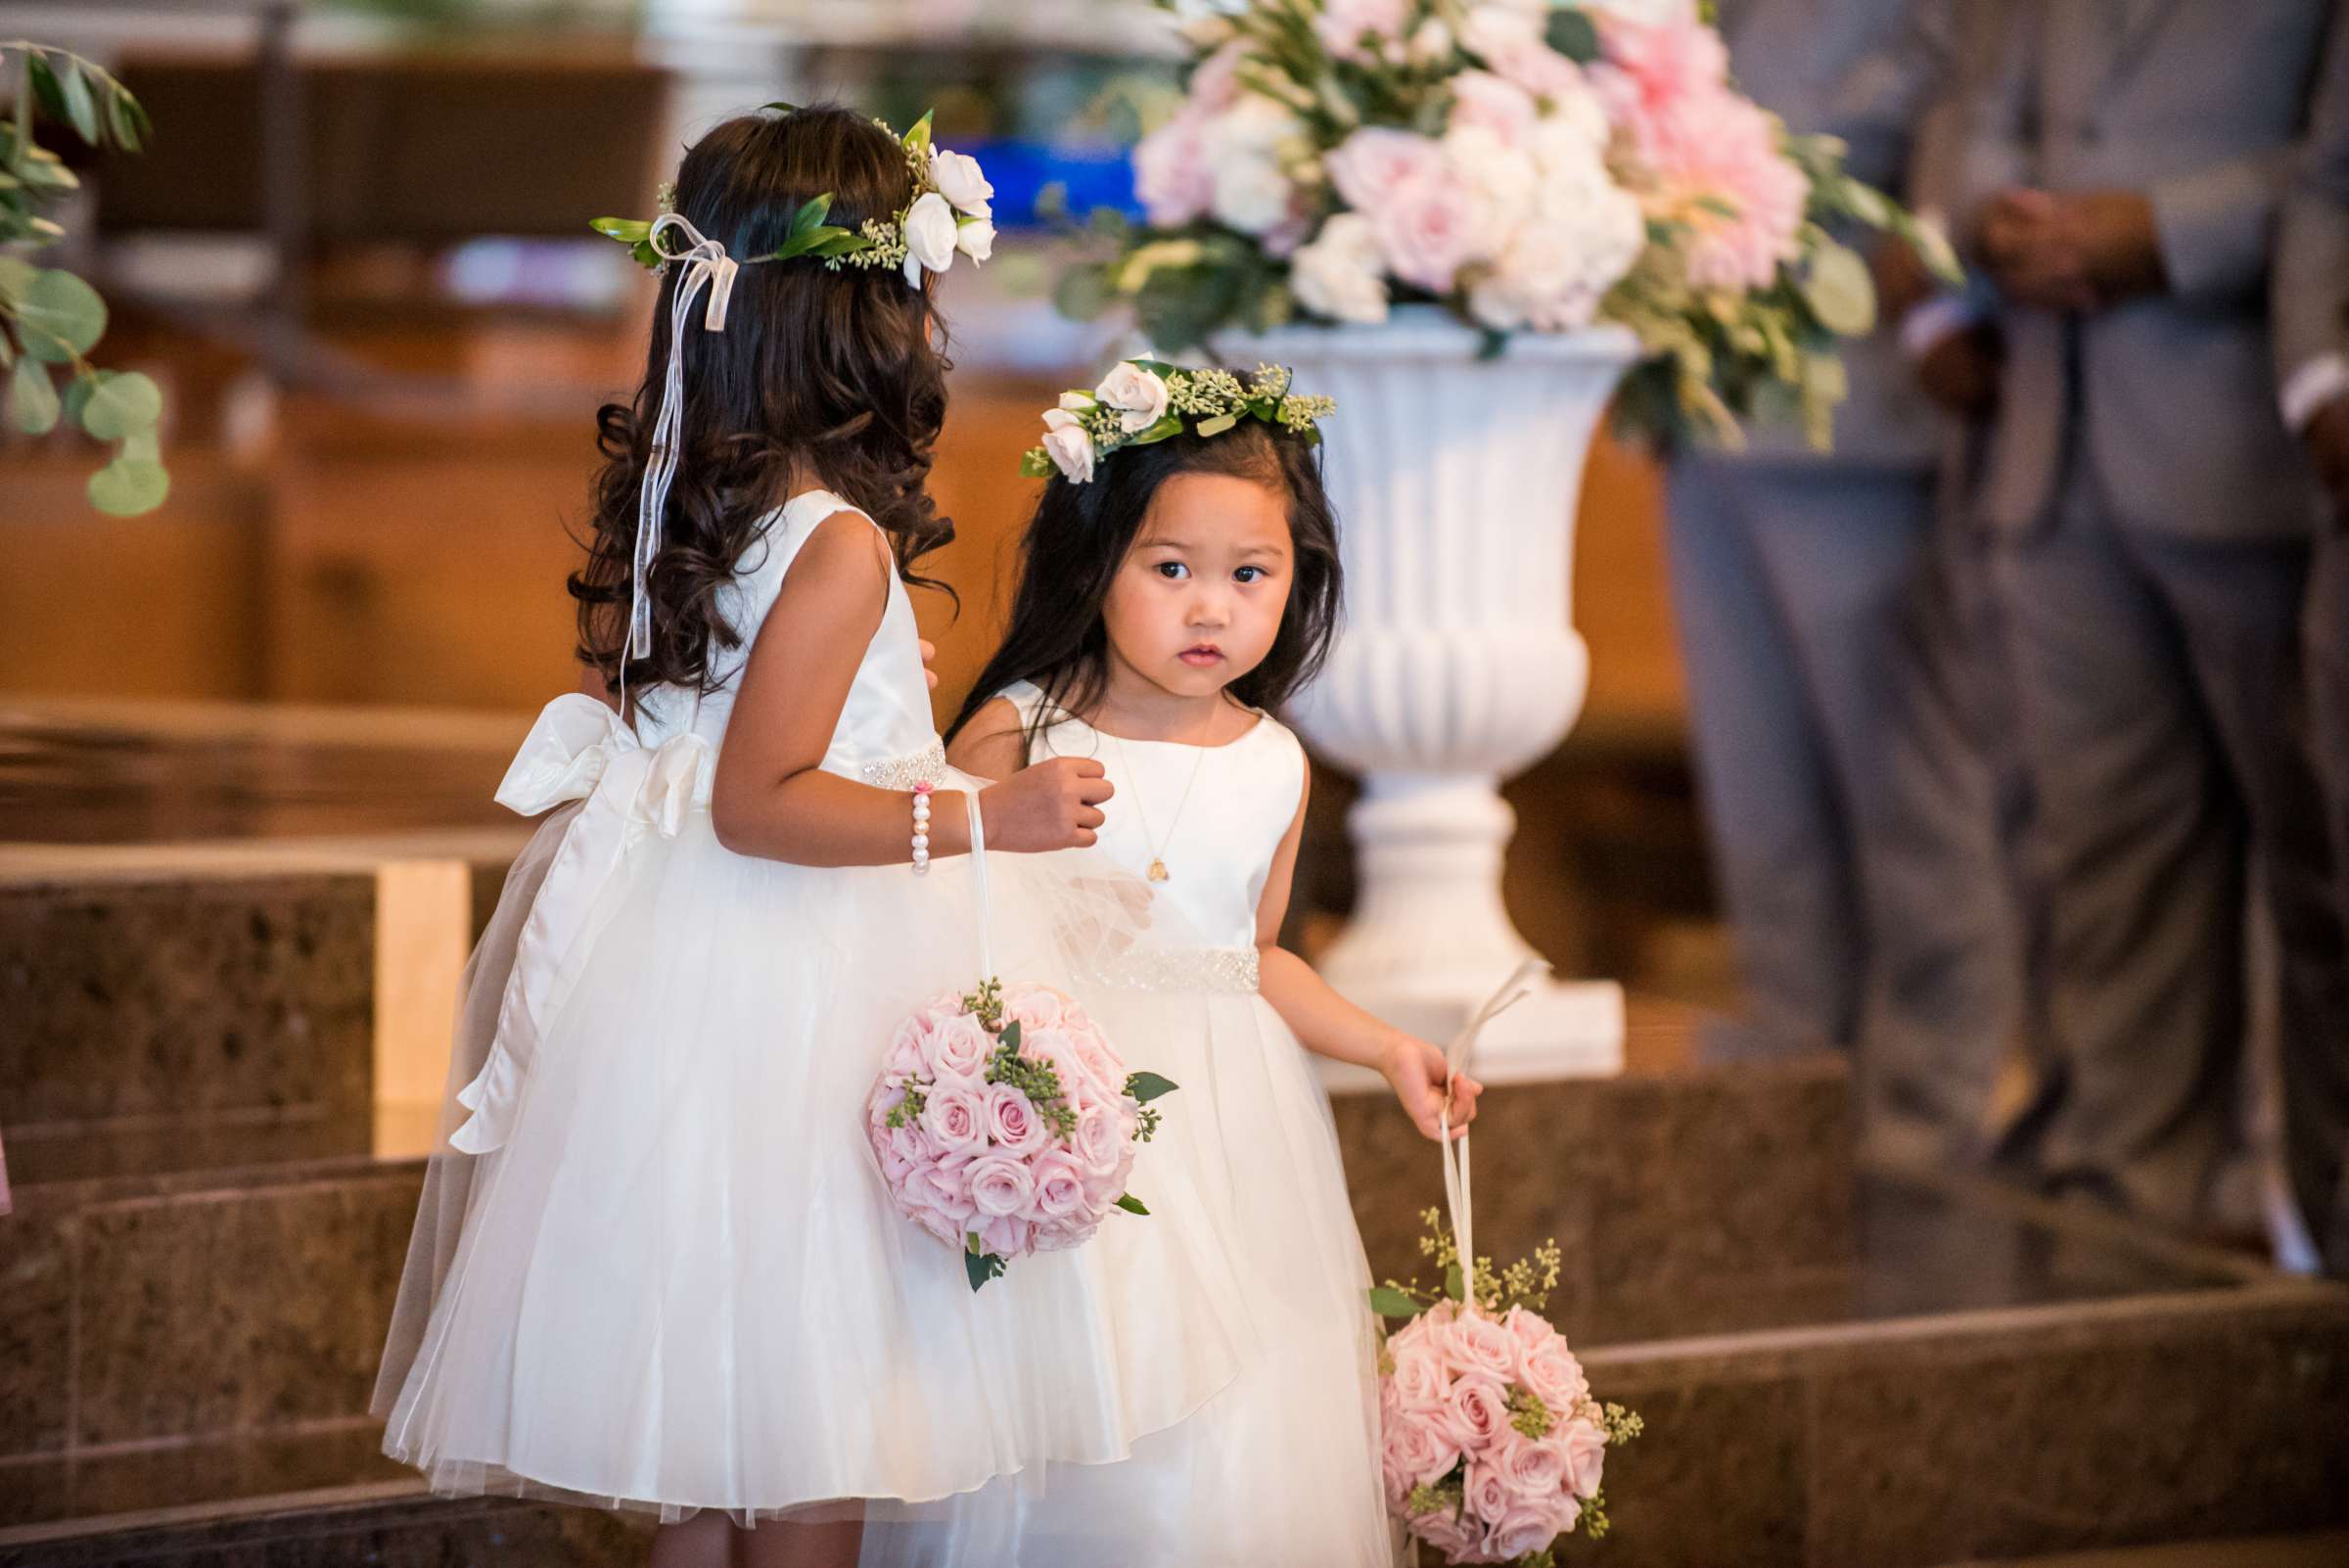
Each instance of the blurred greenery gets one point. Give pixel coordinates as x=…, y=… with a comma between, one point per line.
x=50, y=319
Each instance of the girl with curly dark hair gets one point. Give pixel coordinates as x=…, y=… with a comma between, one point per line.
x=656, y=1267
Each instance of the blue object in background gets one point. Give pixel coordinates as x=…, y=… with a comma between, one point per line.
x=1020, y=171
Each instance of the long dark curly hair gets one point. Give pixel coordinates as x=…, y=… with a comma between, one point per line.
x=843, y=372
x=1079, y=540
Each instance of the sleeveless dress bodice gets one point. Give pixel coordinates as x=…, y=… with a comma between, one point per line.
x=1214, y=816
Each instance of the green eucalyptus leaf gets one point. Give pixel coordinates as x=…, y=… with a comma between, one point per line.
x=979, y=1266
x=16, y=276
x=59, y=317
x=128, y=487
x=1148, y=1086
x=1388, y=1302
x=78, y=390
x=46, y=90
x=1132, y=1204
x=1011, y=1035
x=123, y=406
x=918, y=140
x=625, y=230
x=1840, y=292
x=142, y=447
x=81, y=109
x=810, y=215
x=1455, y=1285
x=1217, y=425
x=8, y=351
x=32, y=398
x=1167, y=426
x=840, y=241
x=1574, y=36
x=1082, y=293
x=122, y=120
x=781, y=108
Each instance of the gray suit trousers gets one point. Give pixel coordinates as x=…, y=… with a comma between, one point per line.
x=1850, y=806
x=2165, y=722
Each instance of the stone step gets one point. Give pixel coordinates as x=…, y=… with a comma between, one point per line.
x=2327, y=1550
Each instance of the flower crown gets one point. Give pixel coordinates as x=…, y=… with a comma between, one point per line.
x=948, y=212
x=1146, y=400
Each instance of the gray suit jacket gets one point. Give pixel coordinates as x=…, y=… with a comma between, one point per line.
x=1863, y=70
x=2312, y=247
x=2199, y=103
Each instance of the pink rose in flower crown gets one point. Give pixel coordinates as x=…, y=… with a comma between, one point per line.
x=1003, y=1123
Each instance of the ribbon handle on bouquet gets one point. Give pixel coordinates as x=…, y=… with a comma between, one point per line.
x=1457, y=1195
x=986, y=958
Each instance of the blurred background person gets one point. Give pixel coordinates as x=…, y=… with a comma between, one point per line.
x=2119, y=182
x=1832, y=675
x=2312, y=353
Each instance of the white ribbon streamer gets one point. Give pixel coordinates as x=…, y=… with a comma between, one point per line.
x=1456, y=1195
x=705, y=265
x=986, y=957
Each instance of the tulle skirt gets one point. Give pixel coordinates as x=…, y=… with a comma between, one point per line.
x=1282, y=1466
x=675, y=1282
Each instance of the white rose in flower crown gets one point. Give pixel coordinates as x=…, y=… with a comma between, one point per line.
x=976, y=238
x=1139, y=395
x=1341, y=274
x=930, y=232
x=1071, y=450
x=958, y=177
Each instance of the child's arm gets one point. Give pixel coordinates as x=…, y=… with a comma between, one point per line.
x=993, y=744
x=772, y=799
x=1328, y=1024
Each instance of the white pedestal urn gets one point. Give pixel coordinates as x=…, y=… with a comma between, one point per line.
x=1456, y=481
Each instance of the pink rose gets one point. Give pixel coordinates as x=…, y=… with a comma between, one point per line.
x=1172, y=177
x=1510, y=42
x=1527, y=1529
x=1006, y=1237
x=1012, y=1123
x=1039, y=1007
x=1059, y=1187
x=1372, y=163
x=955, y=1118
x=1061, y=1237
x=904, y=1058
x=1000, y=1187
x=1485, y=1345
x=1216, y=83
x=1344, y=23
x=944, y=1226
x=1489, y=1494
x=958, y=1048
x=1419, y=1452
x=1554, y=1376
x=1100, y=1141
x=1476, y=1412
x=1427, y=230
x=1532, y=1330
x=1419, y=1381
x=1458, y=1540
x=943, y=1187
x=1584, y=1450
x=1507, y=110
x=1535, y=1470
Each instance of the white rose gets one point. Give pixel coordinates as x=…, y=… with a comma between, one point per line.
x=1139, y=395
x=1079, y=402
x=975, y=238
x=1574, y=130
x=1562, y=262
x=1071, y=451
x=1646, y=13
x=930, y=233
x=1431, y=44
x=1061, y=418
x=1499, y=179
x=958, y=178
x=1340, y=274
x=1252, y=195
x=1253, y=123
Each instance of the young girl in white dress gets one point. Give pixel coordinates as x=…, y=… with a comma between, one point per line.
x=656, y=1267
x=1175, y=590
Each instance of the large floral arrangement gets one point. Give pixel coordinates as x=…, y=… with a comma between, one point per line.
x=1526, y=164
x=1004, y=1125
x=1494, y=1446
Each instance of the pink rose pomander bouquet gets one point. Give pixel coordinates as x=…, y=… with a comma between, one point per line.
x=1535, y=166
x=1494, y=1446
x=1004, y=1125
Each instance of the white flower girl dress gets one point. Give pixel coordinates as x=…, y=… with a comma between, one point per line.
x=1281, y=1467
x=656, y=1266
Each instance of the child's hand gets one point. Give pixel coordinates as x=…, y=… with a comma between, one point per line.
x=1054, y=805
x=929, y=658
x=1416, y=1070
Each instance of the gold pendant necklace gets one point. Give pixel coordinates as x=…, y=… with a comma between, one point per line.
x=1158, y=871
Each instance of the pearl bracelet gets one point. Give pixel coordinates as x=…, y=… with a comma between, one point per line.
x=921, y=829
